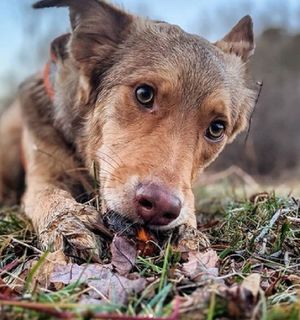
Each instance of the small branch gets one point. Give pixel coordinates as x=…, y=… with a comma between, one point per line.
x=267, y=228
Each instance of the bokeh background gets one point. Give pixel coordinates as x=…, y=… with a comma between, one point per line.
x=272, y=150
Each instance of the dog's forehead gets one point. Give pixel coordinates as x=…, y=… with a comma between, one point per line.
x=164, y=47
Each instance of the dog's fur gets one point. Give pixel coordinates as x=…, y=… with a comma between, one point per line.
x=96, y=126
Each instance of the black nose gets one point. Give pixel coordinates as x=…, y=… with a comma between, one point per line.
x=156, y=205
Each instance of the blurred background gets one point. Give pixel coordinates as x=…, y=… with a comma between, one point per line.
x=272, y=150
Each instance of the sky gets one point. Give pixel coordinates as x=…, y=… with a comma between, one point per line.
x=211, y=19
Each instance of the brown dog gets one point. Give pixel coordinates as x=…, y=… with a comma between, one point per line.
x=135, y=108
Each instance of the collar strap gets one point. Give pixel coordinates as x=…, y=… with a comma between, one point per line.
x=49, y=75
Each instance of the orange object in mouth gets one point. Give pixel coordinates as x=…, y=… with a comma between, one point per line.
x=143, y=235
x=147, y=244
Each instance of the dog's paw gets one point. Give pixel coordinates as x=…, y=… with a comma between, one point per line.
x=192, y=239
x=70, y=231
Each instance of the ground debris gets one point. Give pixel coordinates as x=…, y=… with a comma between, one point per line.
x=242, y=299
x=201, y=265
x=143, y=274
x=105, y=284
x=124, y=254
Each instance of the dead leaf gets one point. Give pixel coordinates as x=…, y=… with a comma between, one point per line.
x=123, y=254
x=293, y=278
x=195, y=301
x=242, y=299
x=53, y=259
x=18, y=283
x=105, y=284
x=201, y=265
x=6, y=292
x=252, y=284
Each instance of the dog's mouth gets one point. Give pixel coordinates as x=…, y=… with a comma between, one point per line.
x=121, y=225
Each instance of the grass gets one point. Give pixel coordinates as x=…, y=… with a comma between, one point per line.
x=257, y=235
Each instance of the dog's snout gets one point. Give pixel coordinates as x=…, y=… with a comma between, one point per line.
x=156, y=205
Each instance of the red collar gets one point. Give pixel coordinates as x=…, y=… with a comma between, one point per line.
x=48, y=76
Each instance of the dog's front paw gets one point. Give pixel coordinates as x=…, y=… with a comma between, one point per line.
x=69, y=230
x=191, y=239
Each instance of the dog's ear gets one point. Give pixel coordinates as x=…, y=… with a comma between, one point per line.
x=240, y=40
x=83, y=9
x=59, y=47
x=97, y=27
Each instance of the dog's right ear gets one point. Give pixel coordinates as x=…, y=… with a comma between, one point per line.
x=97, y=27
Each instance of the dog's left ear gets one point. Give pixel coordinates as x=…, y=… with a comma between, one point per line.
x=240, y=40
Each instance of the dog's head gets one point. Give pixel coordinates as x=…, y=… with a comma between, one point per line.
x=154, y=106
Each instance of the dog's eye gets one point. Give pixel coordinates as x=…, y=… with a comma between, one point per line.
x=215, y=131
x=145, y=95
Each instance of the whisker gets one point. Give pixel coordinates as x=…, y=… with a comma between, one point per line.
x=111, y=158
x=122, y=163
x=111, y=174
x=107, y=162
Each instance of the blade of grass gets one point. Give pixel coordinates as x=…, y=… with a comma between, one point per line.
x=33, y=271
x=212, y=306
x=164, y=271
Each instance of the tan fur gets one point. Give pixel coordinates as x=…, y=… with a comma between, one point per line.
x=95, y=121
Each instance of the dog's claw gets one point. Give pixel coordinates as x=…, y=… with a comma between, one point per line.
x=70, y=231
x=192, y=239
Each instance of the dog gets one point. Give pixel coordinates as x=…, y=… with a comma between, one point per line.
x=128, y=108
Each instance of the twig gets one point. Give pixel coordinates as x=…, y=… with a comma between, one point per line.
x=260, y=85
x=27, y=245
x=50, y=310
x=267, y=228
x=295, y=220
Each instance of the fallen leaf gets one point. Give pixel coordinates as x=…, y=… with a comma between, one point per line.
x=252, y=284
x=124, y=254
x=242, y=299
x=53, y=259
x=201, y=265
x=195, y=301
x=293, y=278
x=18, y=283
x=6, y=292
x=105, y=284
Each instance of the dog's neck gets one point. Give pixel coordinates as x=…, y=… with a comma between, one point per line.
x=61, y=87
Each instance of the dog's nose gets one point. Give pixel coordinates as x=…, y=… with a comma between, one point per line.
x=156, y=205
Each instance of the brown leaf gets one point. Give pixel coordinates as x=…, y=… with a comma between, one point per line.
x=293, y=278
x=6, y=292
x=201, y=265
x=195, y=301
x=252, y=284
x=242, y=298
x=43, y=274
x=123, y=254
x=104, y=283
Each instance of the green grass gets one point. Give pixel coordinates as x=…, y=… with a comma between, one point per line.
x=261, y=236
